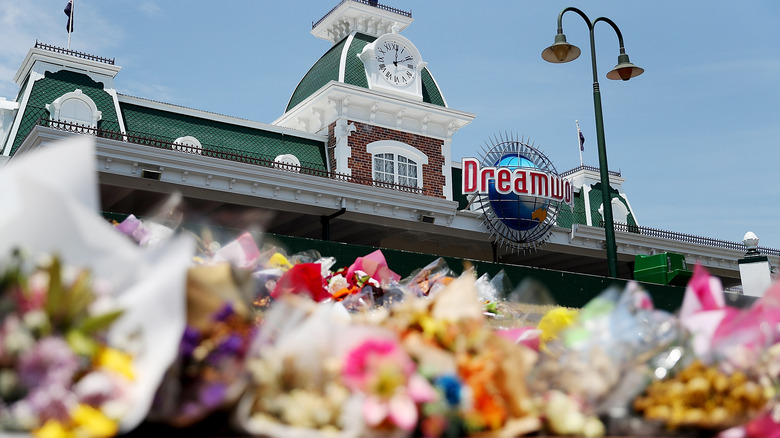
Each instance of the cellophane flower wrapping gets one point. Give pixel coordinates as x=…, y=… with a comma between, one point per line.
x=599, y=362
x=295, y=368
x=101, y=307
x=423, y=363
x=729, y=378
x=209, y=372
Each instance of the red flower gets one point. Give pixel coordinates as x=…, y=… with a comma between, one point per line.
x=303, y=278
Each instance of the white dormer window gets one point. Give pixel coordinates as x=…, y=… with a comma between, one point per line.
x=619, y=211
x=188, y=144
x=75, y=107
x=287, y=162
x=396, y=163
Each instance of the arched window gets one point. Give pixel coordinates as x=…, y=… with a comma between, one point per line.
x=75, y=107
x=287, y=162
x=394, y=162
x=619, y=211
x=188, y=144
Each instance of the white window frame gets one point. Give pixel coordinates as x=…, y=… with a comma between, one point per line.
x=188, y=144
x=398, y=148
x=288, y=162
x=619, y=211
x=55, y=109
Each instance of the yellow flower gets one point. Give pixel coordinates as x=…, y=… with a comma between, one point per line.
x=432, y=327
x=52, y=429
x=116, y=361
x=279, y=261
x=555, y=321
x=93, y=423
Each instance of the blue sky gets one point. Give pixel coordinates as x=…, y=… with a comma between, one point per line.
x=697, y=136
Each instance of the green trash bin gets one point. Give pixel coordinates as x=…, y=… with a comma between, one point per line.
x=665, y=268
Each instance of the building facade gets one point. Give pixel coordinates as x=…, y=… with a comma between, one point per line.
x=362, y=155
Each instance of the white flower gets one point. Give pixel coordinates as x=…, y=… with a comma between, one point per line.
x=336, y=283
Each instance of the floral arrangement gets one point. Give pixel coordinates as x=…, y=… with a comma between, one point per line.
x=88, y=320
x=60, y=375
x=96, y=329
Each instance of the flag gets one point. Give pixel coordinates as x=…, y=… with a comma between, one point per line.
x=69, y=13
x=582, y=139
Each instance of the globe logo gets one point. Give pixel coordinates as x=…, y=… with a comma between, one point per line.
x=517, y=212
x=518, y=192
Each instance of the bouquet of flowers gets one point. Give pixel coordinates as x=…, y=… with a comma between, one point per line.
x=730, y=377
x=60, y=375
x=90, y=321
x=209, y=371
x=426, y=365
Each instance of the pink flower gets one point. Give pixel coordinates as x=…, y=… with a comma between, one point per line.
x=763, y=426
x=375, y=266
x=381, y=370
x=528, y=336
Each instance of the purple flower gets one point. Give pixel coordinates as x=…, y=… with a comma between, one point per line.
x=189, y=341
x=224, y=313
x=230, y=347
x=48, y=362
x=213, y=395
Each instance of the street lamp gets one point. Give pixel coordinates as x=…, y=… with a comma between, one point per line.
x=561, y=51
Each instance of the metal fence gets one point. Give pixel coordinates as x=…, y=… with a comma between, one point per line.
x=688, y=238
x=375, y=4
x=81, y=55
x=225, y=153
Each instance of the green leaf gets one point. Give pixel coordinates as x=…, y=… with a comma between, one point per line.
x=55, y=299
x=81, y=343
x=94, y=324
x=79, y=296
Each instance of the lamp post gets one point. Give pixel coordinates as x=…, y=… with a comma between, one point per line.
x=561, y=51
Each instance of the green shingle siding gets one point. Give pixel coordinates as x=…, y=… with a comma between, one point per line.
x=54, y=85
x=326, y=69
x=568, y=216
x=212, y=134
x=354, y=71
x=431, y=92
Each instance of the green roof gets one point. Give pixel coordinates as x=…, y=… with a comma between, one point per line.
x=223, y=137
x=327, y=69
x=52, y=86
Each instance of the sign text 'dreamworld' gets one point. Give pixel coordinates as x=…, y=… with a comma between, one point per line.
x=520, y=181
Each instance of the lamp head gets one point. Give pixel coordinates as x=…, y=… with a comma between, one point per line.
x=560, y=51
x=624, y=70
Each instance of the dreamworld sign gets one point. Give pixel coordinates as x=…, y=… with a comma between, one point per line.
x=517, y=180
x=519, y=192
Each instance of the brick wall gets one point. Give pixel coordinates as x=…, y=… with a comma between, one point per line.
x=360, y=161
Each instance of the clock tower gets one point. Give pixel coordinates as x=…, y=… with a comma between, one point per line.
x=387, y=122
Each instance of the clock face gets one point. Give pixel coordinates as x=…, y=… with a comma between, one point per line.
x=396, y=63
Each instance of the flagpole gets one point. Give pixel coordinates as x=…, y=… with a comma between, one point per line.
x=579, y=141
x=70, y=19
